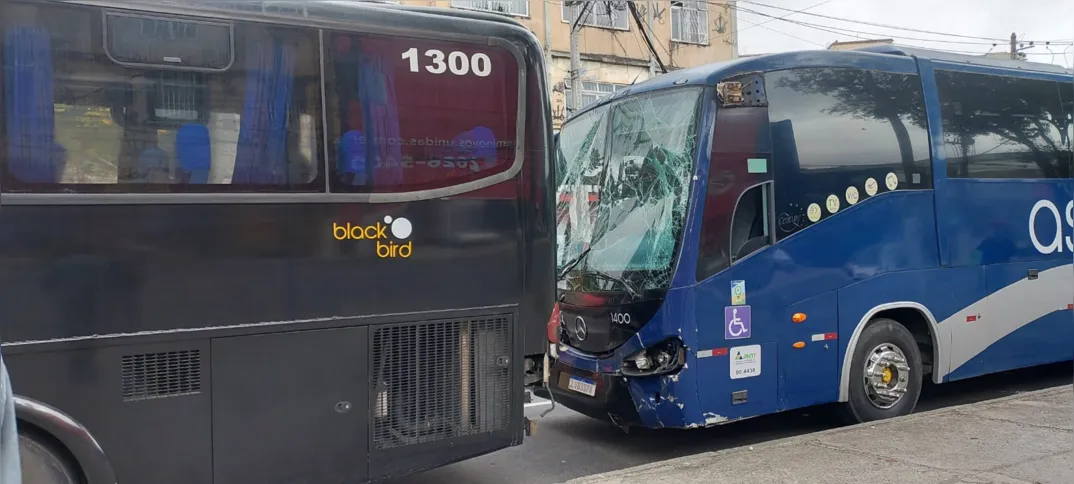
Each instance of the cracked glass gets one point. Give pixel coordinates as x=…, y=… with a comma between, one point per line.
x=622, y=197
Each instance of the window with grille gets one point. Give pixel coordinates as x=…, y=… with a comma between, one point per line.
x=594, y=91
x=606, y=15
x=520, y=8
x=689, y=21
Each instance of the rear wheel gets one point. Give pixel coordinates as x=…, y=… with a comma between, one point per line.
x=43, y=462
x=885, y=373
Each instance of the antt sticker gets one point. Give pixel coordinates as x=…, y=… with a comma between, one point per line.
x=736, y=322
x=745, y=361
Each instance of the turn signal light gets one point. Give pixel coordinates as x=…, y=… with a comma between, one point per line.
x=799, y=345
x=798, y=317
x=552, y=327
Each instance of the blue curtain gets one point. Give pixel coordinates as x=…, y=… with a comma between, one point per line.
x=33, y=155
x=261, y=157
x=194, y=152
x=352, y=151
x=380, y=117
x=478, y=143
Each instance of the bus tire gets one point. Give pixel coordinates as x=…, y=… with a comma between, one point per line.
x=892, y=384
x=44, y=462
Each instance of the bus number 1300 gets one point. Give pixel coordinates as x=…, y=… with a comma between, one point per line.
x=457, y=63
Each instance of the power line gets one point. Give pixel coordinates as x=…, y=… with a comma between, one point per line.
x=761, y=25
x=783, y=17
x=875, y=24
x=852, y=32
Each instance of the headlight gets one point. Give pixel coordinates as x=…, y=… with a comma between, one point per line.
x=662, y=358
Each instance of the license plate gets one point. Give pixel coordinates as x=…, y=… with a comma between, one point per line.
x=581, y=385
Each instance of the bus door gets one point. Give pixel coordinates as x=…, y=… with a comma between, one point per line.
x=736, y=358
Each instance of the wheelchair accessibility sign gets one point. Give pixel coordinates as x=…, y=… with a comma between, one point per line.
x=736, y=322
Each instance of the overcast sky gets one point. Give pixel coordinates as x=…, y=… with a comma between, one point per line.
x=1032, y=20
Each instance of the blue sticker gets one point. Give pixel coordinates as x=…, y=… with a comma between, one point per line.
x=738, y=293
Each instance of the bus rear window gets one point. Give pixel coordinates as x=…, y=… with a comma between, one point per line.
x=408, y=114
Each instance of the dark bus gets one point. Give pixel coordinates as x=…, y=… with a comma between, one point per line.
x=269, y=242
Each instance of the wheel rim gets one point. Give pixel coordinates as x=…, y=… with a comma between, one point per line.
x=40, y=465
x=886, y=376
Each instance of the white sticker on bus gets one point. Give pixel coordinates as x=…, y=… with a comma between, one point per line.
x=1056, y=243
x=833, y=203
x=852, y=195
x=892, y=181
x=870, y=186
x=745, y=361
x=813, y=212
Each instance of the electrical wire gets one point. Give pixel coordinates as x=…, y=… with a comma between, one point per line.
x=645, y=36
x=875, y=24
x=872, y=35
x=761, y=25
x=785, y=16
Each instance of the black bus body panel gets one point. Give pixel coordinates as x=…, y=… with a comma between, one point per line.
x=115, y=277
x=243, y=342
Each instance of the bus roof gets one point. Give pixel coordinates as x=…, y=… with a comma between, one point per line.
x=712, y=73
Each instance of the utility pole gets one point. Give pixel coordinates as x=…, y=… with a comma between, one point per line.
x=1014, y=46
x=649, y=18
x=574, y=100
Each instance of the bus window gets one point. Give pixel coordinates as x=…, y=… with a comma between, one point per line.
x=750, y=225
x=1003, y=127
x=75, y=120
x=409, y=114
x=835, y=129
x=739, y=135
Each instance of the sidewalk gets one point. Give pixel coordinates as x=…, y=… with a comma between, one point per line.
x=1021, y=439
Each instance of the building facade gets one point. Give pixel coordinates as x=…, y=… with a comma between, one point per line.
x=614, y=53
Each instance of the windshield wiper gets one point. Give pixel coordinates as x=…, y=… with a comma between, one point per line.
x=573, y=262
x=630, y=289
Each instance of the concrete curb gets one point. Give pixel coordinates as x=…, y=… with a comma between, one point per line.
x=800, y=439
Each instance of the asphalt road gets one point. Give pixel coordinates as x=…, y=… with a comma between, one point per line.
x=569, y=445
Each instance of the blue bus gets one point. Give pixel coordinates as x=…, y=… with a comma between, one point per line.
x=885, y=216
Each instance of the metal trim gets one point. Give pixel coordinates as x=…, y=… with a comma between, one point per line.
x=326, y=165
x=90, y=457
x=283, y=325
x=939, y=351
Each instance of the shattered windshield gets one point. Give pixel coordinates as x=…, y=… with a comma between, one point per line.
x=623, y=193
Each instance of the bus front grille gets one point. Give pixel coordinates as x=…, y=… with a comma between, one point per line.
x=440, y=380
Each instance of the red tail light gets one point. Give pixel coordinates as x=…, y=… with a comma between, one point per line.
x=553, y=325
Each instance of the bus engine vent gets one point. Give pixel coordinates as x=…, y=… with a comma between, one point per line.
x=440, y=380
x=159, y=375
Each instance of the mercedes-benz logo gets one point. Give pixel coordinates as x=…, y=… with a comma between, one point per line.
x=580, y=331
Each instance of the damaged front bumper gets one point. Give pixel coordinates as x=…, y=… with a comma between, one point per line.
x=596, y=395
x=599, y=389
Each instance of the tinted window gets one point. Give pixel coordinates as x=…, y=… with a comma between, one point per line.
x=740, y=138
x=840, y=136
x=74, y=120
x=409, y=114
x=1004, y=127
